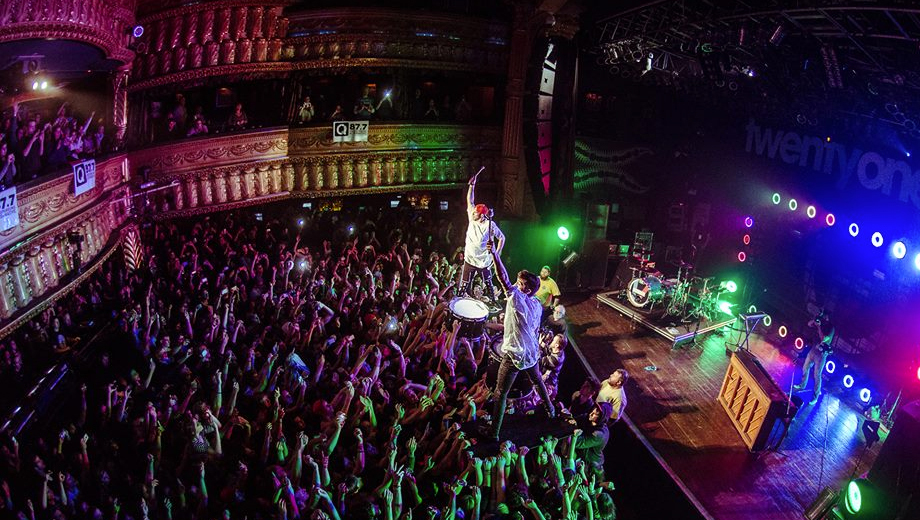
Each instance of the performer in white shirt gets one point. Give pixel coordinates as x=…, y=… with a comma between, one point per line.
x=476, y=257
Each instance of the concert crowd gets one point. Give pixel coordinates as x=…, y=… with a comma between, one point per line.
x=286, y=370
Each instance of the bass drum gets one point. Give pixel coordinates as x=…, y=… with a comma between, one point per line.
x=522, y=387
x=649, y=289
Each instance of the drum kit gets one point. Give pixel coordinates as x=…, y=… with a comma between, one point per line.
x=687, y=297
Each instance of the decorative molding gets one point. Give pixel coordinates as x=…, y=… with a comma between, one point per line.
x=101, y=23
x=50, y=202
x=213, y=151
x=216, y=39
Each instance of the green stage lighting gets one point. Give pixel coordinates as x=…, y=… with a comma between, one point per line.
x=853, y=498
x=731, y=286
x=726, y=307
x=777, y=198
x=562, y=233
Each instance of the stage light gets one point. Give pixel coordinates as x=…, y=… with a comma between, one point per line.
x=300, y=222
x=351, y=229
x=848, y=381
x=767, y=321
x=746, y=239
x=830, y=219
x=799, y=343
x=854, y=229
x=34, y=85
x=44, y=85
x=793, y=205
x=917, y=261
x=742, y=256
x=811, y=211
x=726, y=307
x=899, y=250
x=777, y=198
x=748, y=222
x=877, y=239
x=830, y=366
x=852, y=500
x=731, y=286
x=918, y=373
x=783, y=331
x=563, y=233
x=138, y=31
x=865, y=395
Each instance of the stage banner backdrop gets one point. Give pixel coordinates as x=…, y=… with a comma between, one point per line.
x=9, y=209
x=84, y=176
x=349, y=131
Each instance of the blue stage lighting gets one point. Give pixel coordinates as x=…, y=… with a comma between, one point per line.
x=848, y=381
x=917, y=261
x=830, y=366
x=899, y=250
x=854, y=229
x=877, y=239
x=865, y=395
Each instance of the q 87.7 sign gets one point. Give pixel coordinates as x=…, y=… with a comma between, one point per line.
x=9, y=209
x=84, y=176
x=349, y=131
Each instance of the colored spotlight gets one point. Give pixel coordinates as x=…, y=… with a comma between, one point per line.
x=783, y=331
x=767, y=321
x=752, y=309
x=830, y=366
x=853, y=499
x=830, y=219
x=918, y=373
x=854, y=229
x=877, y=239
x=811, y=211
x=746, y=239
x=562, y=233
x=917, y=261
x=793, y=205
x=899, y=250
x=748, y=222
x=731, y=286
x=848, y=381
x=742, y=256
x=777, y=198
x=865, y=395
x=726, y=307
x=799, y=343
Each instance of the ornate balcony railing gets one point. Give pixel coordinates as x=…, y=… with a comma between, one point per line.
x=39, y=254
x=233, y=37
x=245, y=169
x=103, y=23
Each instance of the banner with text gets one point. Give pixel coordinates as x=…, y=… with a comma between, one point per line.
x=349, y=131
x=84, y=176
x=9, y=209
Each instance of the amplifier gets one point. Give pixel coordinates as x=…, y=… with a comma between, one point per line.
x=752, y=400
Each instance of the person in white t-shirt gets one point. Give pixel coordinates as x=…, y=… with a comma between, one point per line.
x=612, y=391
x=520, y=348
x=476, y=257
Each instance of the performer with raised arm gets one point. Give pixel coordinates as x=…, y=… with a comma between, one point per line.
x=817, y=356
x=481, y=229
x=520, y=348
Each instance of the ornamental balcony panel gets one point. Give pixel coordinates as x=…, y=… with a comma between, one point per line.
x=233, y=37
x=105, y=24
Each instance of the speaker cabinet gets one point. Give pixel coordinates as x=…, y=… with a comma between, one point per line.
x=752, y=400
x=897, y=468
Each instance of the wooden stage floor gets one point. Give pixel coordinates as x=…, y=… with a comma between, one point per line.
x=675, y=409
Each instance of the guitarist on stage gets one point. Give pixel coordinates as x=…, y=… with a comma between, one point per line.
x=818, y=354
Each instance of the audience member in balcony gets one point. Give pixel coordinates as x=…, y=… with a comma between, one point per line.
x=364, y=105
x=306, y=111
x=447, y=109
x=384, y=108
x=171, y=130
x=337, y=114
x=464, y=111
x=179, y=112
x=198, y=127
x=58, y=152
x=32, y=149
x=99, y=141
x=432, y=113
x=238, y=118
x=417, y=106
x=75, y=140
x=7, y=166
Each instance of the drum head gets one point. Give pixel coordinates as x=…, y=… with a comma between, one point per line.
x=468, y=308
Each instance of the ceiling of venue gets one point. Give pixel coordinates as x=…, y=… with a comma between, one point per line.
x=856, y=57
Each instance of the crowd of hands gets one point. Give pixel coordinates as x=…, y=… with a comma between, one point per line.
x=50, y=141
x=255, y=370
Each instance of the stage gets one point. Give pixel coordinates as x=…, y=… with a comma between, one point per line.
x=675, y=334
x=672, y=404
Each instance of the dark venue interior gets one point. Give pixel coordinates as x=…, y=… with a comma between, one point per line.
x=459, y=260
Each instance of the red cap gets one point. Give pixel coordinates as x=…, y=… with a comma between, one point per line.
x=482, y=209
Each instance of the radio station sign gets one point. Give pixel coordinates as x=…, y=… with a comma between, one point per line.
x=84, y=176
x=349, y=131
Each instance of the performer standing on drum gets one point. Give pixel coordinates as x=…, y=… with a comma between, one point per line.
x=520, y=346
x=476, y=258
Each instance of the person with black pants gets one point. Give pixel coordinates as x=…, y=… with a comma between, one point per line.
x=520, y=348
